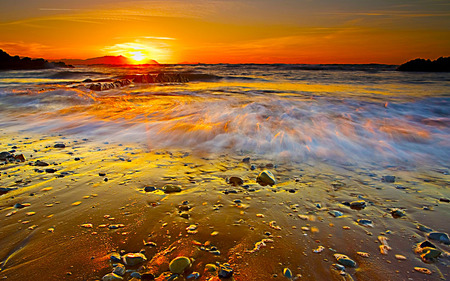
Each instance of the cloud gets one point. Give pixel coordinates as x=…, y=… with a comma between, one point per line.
x=21, y=48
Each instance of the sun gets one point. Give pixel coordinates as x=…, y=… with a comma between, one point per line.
x=137, y=57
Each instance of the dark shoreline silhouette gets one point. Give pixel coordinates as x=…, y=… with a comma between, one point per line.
x=8, y=62
x=442, y=64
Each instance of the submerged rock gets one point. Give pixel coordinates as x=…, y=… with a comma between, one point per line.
x=389, y=179
x=179, y=264
x=111, y=277
x=360, y=204
x=266, y=178
x=287, y=273
x=235, y=181
x=345, y=260
x=335, y=213
x=397, y=213
x=365, y=222
x=225, y=271
x=439, y=236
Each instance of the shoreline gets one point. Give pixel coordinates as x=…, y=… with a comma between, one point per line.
x=53, y=237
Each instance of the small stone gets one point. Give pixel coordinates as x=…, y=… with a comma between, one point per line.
x=266, y=178
x=365, y=222
x=149, y=188
x=193, y=275
x=115, y=257
x=439, y=236
x=446, y=200
x=235, y=181
x=335, y=213
x=210, y=267
x=225, y=271
x=119, y=269
x=430, y=253
x=345, y=260
x=87, y=225
x=424, y=228
x=397, y=213
x=389, y=179
x=287, y=273
x=169, y=188
x=400, y=257
x=51, y=171
x=360, y=204
x=179, y=264
x=319, y=249
x=246, y=160
x=134, y=258
x=363, y=254
x=76, y=203
x=136, y=275
x=111, y=277
x=422, y=270
x=40, y=163
x=184, y=215
x=59, y=145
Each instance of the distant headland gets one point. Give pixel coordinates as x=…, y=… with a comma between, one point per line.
x=442, y=64
x=108, y=60
x=8, y=62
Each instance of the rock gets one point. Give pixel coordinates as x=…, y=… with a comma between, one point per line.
x=169, y=188
x=193, y=275
x=149, y=188
x=119, y=269
x=287, y=273
x=147, y=276
x=115, y=257
x=4, y=190
x=225, y=271
x=5, y=155
x=397, y=213
x=424, y=228
x=20, y=206
x=51, y=170
x=111, y=277
x=59, y=145
x=335, y=213
x=429, y=253
x=185, y=215
x=390, y=179
x=439, y=236
x=442, y=64
x=345, y=260
x=360, y=204
x=40, y=163
x=20, y=158
x=422, y=270
x=179, y=264
x=134, y=258
x=246, y=160
x=236, y=181
x=210, y=267
x=266, y=178
x=446, y=200
x=365, y=222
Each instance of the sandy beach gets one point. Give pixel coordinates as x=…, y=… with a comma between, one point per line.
x=66, y=220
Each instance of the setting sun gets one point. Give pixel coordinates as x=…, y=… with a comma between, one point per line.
x=138, y=57
x=141, y=51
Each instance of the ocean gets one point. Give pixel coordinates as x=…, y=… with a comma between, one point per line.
x=342, y=113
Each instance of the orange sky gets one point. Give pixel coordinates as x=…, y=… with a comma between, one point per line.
x=228, y=31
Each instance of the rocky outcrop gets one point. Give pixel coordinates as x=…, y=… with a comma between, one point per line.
x=421, y=65
x=8, y=62
x=102, y=85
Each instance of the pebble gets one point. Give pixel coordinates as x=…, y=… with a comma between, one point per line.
x=235, y=181
x=363, y=254
x=225, y=271
x=389, y=179
x=59, y=145
x=424, y=228
x=179, y=264
x=400, y=257
x=439, y=236
x=20, y=206
x=76, y=203
x=87, y=225
x=287, y=273
x=184, y=215
x=397, y=213
x=365, y=222
x=345, y=260
x=336, y=213
x=193, y=275
x=149, y=188
x=134, y=258
x=119, y=269
x=360, y=204
x=111, y=277
x=169, y=188
x=266, y=178
x=422, y=270
x=319, y=249
x=115, y=257
x=210, y=267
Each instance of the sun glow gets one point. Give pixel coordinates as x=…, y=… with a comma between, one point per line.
x=141, y=52
x=138, y=57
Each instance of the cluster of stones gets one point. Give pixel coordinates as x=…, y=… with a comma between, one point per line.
x=137, y=78
x=11, y=158
x=102, y=86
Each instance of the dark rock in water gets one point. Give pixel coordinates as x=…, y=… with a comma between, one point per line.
x=225, y=271
x=442, y=64
x=439, y=236
x=169, y=188
x=5, y=155
x=9, y=62
x=266, y=178
x=4, y=190
x=446, y=200
x=149, y=188
x=40, y=163
x=111, y=277
x=389, y=179
x=246, y=160
x=360, y=204
x=397, y=213
x=147, y=276
x=179, y=264
x=345, y=260
x=102, y=174
x=20, y=158
x=51, y=170
x=235, y=181
x=365, y=222
x=59, y=145
x=115, y=257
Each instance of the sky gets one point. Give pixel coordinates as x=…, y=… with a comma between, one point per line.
x=228, y=31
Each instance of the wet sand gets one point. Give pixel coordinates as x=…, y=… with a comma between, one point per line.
x=65, y=231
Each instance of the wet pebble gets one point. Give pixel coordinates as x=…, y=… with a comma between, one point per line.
x=134, y=258
x=397, y=213
x=389, y=179
x=335, y=213
x=170, y=188
x=287, y=273
x=225, y=271
x=193, y=275
x=365, y=222
x=236, y=181
x=179, y=264
x=115, y=257
x=360, y=204
x=111, y=277
x=119, y=269
x=345, y=260
x=59, y=145
x=149, y=188
x=439, y=236
x=266, y=178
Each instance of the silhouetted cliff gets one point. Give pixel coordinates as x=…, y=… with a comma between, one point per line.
x=8, y=62
x=440, y=65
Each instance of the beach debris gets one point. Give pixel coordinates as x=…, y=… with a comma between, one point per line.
x=365, y=222
x=389, y=179
x=170, y=188
x=111, y=277
x=319, y=249
x=345, y=260
x=273, y=224
x=225, y=271
x=423, y=270
x=336, y=213
x=235, y=181
x=439, y=236
x=397, y=213
x=179, y=264
x=287, y=273
x=363, y=254
x=133, y=259
x=266, y=178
